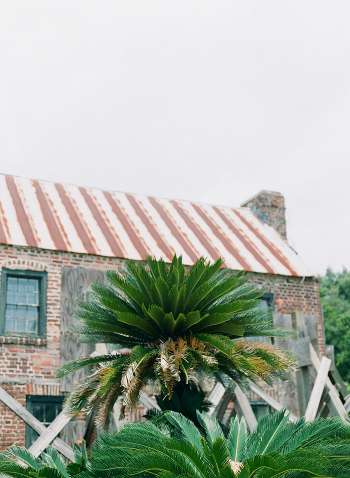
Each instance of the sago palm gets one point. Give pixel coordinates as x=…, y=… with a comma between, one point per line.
x=17, y=462
x=175, y=325
x=276, y=449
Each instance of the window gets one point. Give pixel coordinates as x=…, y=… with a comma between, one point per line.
x=23, y=303
x=45, y=409
x=266, y=303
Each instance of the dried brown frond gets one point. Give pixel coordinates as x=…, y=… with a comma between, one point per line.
x=209, y=359
x=83, y=396
x=281, y=357
x=130, y=382
x=262, y=358
x=169, y=368
x=196, y=344
x=171, y=355
x=180, y=349
x=103, y=407
x=129, y=375
x=133, y=381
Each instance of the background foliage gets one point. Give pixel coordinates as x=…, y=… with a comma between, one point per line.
x=335, y=298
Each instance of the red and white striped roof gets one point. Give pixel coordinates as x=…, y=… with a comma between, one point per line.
x=83, y=220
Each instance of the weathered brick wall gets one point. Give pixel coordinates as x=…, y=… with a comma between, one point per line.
x=26, y=365
x=294, y=294
x=12, y=428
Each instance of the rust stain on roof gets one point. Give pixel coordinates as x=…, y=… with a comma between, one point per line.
x=76, y=220
x=3, y=227
x=101, y=223
x=151, y=229
x=229, y=246
x=248, y=245
x=48, y=215
x=20, y=212
x=175, y=231
x=199, y=233
x=272, y=247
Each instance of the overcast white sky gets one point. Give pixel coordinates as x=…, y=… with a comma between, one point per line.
x=202, y=100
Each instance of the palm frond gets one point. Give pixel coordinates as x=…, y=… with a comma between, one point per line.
x=25, y=456
x=145, y=450
x=237, y=439
x=211, y=426
x=17, y=462
x=75, y=365
x=187, y=428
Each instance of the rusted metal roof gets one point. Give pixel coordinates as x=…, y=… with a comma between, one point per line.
x=83, y=220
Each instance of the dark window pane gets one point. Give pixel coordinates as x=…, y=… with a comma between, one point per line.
x=44, y=409
x=50, y=413
x=260, y=409
x=21, y=297
x=263, y=304
x=32, y=298
x=33, y=285
x=21, y=312
x=38, y=411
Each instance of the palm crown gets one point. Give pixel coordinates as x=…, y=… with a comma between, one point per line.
x=275, y=449
x=175, y=324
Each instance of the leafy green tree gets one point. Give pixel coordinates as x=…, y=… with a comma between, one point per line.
x=18, y=462
x=276, y=448
x=335, y=298
x=176, y=325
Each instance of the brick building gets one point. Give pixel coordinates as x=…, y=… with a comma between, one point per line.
x=55, y=240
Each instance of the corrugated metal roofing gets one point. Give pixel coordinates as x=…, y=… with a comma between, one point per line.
x=70, y=218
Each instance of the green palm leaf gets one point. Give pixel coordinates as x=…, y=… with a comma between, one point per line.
x=75, y=365
x=176, y=299
x=211, y=426
x=25, y=456
x=136, y=321
x=237, y=438
x=48, y=465
x=132, y=292
x=159, y=292
x=187, y=428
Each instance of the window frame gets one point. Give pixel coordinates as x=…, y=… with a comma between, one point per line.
x=42, y=277
x=32, y=400
x=269, y=299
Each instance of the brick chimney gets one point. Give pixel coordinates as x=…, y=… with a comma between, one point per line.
x=269, y=207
